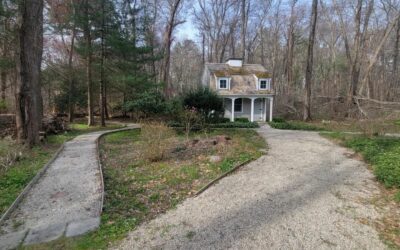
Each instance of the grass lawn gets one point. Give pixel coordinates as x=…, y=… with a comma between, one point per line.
x=383, y=155
x=28, y=162
x=137, y=190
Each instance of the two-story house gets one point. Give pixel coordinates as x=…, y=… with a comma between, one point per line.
x=245, y=88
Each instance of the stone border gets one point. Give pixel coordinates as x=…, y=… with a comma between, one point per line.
x=222, y=176
x=99, y=160
x=29, y=186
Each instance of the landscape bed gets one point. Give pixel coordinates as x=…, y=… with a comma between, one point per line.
x=137, y=190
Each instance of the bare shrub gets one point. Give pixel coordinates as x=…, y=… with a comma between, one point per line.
x=372, y=128
x=191, y=118
x=157, y=140
x=10, y=152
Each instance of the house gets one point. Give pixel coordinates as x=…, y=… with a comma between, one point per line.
x=246, y=89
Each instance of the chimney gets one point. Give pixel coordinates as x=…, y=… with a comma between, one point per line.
x=235, y=62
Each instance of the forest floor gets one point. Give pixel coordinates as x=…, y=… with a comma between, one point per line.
x=306, y=193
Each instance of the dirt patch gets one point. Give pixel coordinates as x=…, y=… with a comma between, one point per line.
x=200, y=146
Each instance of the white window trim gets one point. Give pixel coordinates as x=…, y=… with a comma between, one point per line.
x=228, y=83
x=267, y=87
x=241, y=110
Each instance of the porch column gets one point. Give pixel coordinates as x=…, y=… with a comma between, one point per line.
x=265, y=110
x=252, y=110
x=271, y=103
x=233, y=110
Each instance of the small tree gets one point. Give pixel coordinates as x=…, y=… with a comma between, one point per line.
x=204, y=101
x=190, y=118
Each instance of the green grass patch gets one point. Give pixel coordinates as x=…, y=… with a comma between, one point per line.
x=25, y=165
x=397, y=196
x=137, y=190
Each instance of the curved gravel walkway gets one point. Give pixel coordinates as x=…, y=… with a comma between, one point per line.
x=307, y=193
x=66, y=200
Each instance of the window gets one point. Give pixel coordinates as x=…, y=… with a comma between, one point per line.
x=265, y=84
x=238, y=105
x=223, y=83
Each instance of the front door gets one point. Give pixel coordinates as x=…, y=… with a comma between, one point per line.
x=260, y=110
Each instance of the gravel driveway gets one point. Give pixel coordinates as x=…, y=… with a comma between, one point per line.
x=306, y=193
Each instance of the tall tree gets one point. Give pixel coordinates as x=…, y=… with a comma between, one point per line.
x=102, y=101
x=310, y=61
x=172, y=22
x=243, y=31
x=29, y=58
x=88, y=54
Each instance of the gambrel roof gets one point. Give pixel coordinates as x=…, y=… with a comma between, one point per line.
x=243, y=80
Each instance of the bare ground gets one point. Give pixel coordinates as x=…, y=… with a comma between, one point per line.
x=307, y=193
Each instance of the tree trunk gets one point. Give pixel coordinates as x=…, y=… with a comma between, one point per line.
x=310, y=55
x=102, y=103
x=88, y=41
x=243, y=30
x=28, y=63
x=167, y=45
x=355, y=68
x=395, y=59
x=290, y=46
x=71, y=102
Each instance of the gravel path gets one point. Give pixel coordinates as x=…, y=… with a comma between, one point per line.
x=306, y=193
x=66, y=200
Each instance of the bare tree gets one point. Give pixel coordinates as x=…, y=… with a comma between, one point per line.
x=174, y=6
x=310, y=60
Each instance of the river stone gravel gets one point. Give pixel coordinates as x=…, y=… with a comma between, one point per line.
x=306, y=193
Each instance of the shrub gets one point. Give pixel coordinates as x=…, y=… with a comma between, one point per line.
x=294, y=126
x=3, y=106
x=206, y=102
x=10, y=152
x=156, y=140
x=174, y=107
x=190, y=119
x=278, y=119
x=149, y=103
x=242, y=119
x=235, y=125
x=372, y=129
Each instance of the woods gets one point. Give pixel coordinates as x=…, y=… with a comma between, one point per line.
x=328, y=59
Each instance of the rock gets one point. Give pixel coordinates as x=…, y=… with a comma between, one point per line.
x=215, y=158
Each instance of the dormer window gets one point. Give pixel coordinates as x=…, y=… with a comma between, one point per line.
x=223, y=83
x=264, y=84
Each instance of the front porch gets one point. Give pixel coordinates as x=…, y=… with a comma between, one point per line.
x=254, y=108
